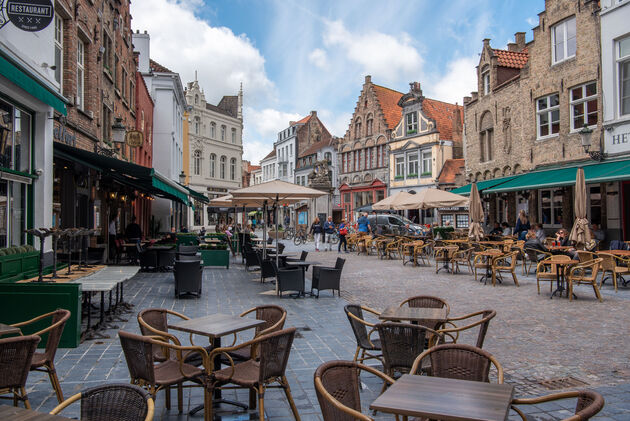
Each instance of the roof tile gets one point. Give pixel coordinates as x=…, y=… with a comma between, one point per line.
x=388, y=100
x=512, y=59
x=442, y=113
x=157, y=67
x=450, y=170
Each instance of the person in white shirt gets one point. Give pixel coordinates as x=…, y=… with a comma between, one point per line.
x=111, y=232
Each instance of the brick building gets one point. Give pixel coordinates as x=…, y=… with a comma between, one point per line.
x=522, y=140
x=144, y=154
x=362, y=154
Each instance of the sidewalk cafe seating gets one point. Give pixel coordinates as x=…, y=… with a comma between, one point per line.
x=585, y=273
x=327, y=277
x=274, y=317
x=426, y=301
x=16, y=354
x=393, y=248
x=585, y=256
x=533, y=257
x=116, y=401
x=251, y=257
x=452, y=333
x=548, y=272
x=289, y=279
x=462, y=257
x=266, y=267
x=367, y=347
x=589, y=403
x=188, y=277
x=45, y=361
x=443, y=256
x=148, y=258
x=337, y=386
x=613, y=265
x=503, y=264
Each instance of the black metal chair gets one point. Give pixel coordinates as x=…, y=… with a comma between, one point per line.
x=166, y=259
x=188, y=276
x=281, y=247
x=327, y=277
x=289, y=279
x=266, y=269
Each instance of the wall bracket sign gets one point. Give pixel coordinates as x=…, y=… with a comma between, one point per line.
x=27, y=15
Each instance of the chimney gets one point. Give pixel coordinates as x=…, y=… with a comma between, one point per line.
x=467, y=99
x=486, y=42
x=313, y=113
x=368, y=79
x=513, y=47
x=457, y=124
x=142, y=45
x=519, y=37
x=416, y=88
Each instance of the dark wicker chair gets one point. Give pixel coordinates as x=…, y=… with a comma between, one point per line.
x=427, y=301
x=401, y=344
x=188, y=277
x=274, y=317
x=327, y=277
x=148, y=259
x=337, y=387
x=289, y=279
x=190, y=250
x=459, y=361
x=281, y=248
x=154, y=322
x=45, y=361
x=483, y=323
x=589, y=403
x=138, y=352
x=303, y=255
x=251, y=258
x=16, y=354
x=266, y=267
x=255, y=375
x=365, y=345
x=166, y=260
x=117, y=401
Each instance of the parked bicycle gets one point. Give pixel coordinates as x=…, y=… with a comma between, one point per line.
x=300, y=237
x=289, y=233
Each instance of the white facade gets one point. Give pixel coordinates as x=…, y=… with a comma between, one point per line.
x=268, y=167
x=615, y=34
x=167, y=93
x=255, y=177
x=286, y=152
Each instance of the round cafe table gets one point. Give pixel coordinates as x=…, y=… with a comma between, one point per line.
x=561, y=266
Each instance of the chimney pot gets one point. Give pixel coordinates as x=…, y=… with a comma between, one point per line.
x=519, y=39
x=314, y=113
x=368, y=79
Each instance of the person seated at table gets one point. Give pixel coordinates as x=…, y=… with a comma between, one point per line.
x=532, y=242
x=202, y=232
x=597, y=233
x=133, y=232
x=506, y=229
x=562, y=237
x=540, y=232
x=496, y=230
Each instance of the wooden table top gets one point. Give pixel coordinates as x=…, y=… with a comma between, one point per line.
x=559, y=247
x=8, y=330
x=216, y=325
x=20, y=414
x=560, y=262
x=446, y=399
x=414, y=314
x=622, y=253
x=491, y=252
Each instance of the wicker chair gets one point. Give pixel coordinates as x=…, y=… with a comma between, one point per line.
x=327, y=277
x=255, y=375
x=45, y=361
x=585, y=273
x=459, y=361
x=274, y=317
x=188, y=277
x=533, y=257
x=462, y=257
x=422, y=253
x=393, y=248
x=407, y=252
x=548, y=272
x=365, y=345
x=266, y=267
x=504, y=263
x=251, y=258
x=16, y=354
x=138, y=352
x=483, y=323
x=154, y=322
x=117, y=401
x=426, y=301
x=611, y=264
x=589, y=403
x=289, y=279
x=444, y=256
x=585, y=256
x=337, y=386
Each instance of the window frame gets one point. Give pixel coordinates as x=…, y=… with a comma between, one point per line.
x=552, y=208
x=80, y=74
x=427, y=156
x=485, y=79
x=232, y=169
x=58, y=41
x=549, y=111
x=565, y=42
x=583, y=100
x=223, y=128
x=212, y=165
x=399, y=167
x=413, y=172
x=233, y=136
x=222, y=167
x=213, y=130
x=197, y=162
x=620, y=61
x=411, y=124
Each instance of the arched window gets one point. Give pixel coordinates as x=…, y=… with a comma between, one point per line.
x=369, y=123
x=486, y=132
x=485, y=79
x=213, y=161
x=197, y=125
x=213, y=130
x=223, y=133
x=196, y=99
x=233, y=169
x=357, y=128
x=233, y=135
x=197, y=162
x=222, y=168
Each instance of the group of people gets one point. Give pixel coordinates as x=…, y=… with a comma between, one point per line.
x=327, y=229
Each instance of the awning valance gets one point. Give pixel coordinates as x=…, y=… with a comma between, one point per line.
x=482, y=185
x=196, y=195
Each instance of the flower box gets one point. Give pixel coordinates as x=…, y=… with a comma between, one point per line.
x=399, y=177
x=426, y=174
x=412, y=175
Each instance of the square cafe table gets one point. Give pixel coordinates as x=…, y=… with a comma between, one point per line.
x=415, y=314
x=20, y=414
x=446, y=399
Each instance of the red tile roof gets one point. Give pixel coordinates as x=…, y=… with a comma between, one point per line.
x=512, y=59
x=157, y=67
x=303, y=121
x=450, y=170
x=388, y=100
x=442, y=113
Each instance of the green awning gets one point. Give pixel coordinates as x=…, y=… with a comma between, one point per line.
x=196, y=195
x=161, y=183
x=25, y=80
x=482, y=185
x=593, y=173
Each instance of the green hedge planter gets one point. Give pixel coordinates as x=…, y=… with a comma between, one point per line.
x=187, y=239
x=215, y=258
x=21, y=302
x=14, y=264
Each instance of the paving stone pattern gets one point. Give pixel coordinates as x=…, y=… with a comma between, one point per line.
x=534, y=338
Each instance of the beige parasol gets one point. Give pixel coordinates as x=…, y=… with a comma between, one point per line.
x=580, y=234
x=475, y=213
x=391, y=202
x=433, y=198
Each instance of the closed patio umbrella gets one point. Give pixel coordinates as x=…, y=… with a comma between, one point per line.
x=475, y=212
x=432, y=198
x=580, y=233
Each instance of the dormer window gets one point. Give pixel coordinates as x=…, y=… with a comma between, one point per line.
x=485, y=79
x=411, y=123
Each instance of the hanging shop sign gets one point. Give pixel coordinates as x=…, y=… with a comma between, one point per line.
x=29, y=15
x=134, y=138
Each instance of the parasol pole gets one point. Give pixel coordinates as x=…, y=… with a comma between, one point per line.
x=265, y=229
x=275, y=217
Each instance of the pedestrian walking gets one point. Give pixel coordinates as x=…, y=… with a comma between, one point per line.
x=316, y=230
x=343, y=231
x=329, y=229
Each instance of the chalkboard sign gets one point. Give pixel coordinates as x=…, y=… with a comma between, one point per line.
x=30, y=15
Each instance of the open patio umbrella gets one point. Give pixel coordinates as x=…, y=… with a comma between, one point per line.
x=227, y=201
x=475, y=212
x=580, y=233
x=391, y=202
x=432, y=198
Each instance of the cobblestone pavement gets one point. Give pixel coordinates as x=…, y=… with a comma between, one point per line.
x=534, y=338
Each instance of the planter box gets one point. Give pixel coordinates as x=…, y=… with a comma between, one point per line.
x=187, y=240
x=276, y=235
x=14, y=264
x=215, y=258
x=26, y=301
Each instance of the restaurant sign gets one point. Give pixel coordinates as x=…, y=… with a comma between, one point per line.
x=134, y=138
x=29, y=15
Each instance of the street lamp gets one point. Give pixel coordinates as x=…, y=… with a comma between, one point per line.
x=585, y=135
x=182, y=177
x=118, y=131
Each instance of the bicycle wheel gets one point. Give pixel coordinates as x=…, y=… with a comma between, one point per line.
x=297, y=240
x=334, y=239
x=288, y=235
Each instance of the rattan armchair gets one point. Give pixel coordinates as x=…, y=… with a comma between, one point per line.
x=548, y=272
x=533, y=257
x=589, y=403
x=274, y=317
x=462, y=257
x=585, y=256
x=327, y=277
x=483, y=322
x=426, y=301
x=585, y=273
x=337, y=387
x=504, y=263
x=16, y=354
x=407, y=252
x=392, y=248
x=116, y=401
x=459, y=361
x=45, y=361
x=613, y=265
x=444, y=255
x=365, y=345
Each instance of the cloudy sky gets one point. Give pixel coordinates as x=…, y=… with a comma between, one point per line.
x=295, y=56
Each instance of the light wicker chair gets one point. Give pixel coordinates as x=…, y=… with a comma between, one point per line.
x=366, y=347
x=274, y=317
x=116, y=401
x=611, y=265
x=407, y=251
x=337, y=387
x=504, y=263
x=585, y=256
x=426, y=301
x=16, y=354
x=483, y=322
x=548, y=272
x=462, y=257
x=589, y=403
x=444, y=255
x=393, y=248
x=585, y=273
x=45, y=361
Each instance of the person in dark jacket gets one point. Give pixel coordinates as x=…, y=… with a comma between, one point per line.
x=133, y=232
x=329, y=229
x=532, y=242
x=316, y=230
x=522, y=225
x=343, y=231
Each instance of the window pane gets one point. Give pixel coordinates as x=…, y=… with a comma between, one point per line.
x=22, y=141
x=542, y=103
x=571, y=37
x=624, y=72
x=6, y=135
x=554, y=100
x=624, y=47
x=17, y=213
x=576, y=93
x=591, y=89
x=571, y=47
x=559, y=52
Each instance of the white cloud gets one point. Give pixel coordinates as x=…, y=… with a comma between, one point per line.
x=264, y=126
x=319, y=58
x=459, y=80
x=532, y=21
x=185, y=43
